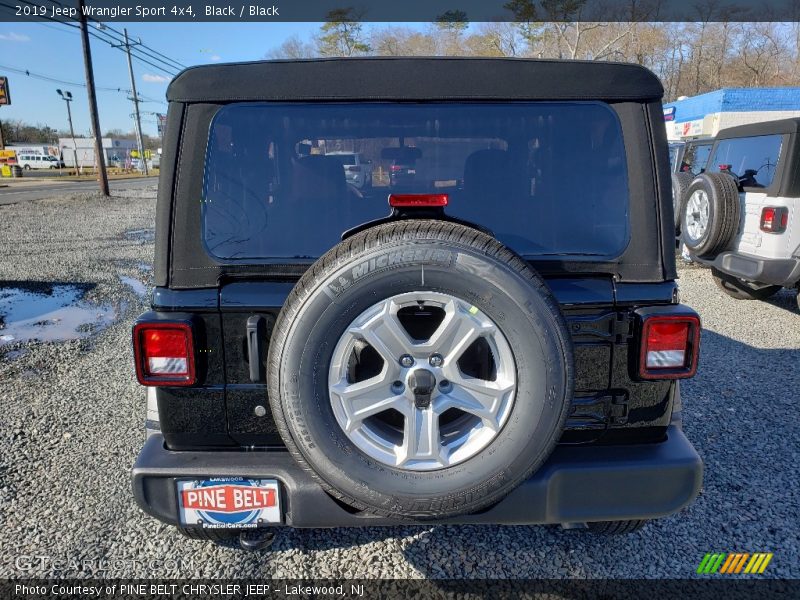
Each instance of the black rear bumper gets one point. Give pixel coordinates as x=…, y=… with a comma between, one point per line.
x=771, y=271
x=577, y=484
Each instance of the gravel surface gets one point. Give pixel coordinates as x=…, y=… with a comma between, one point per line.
x=72, y=424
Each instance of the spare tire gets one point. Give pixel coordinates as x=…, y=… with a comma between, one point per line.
x=710, y=214
x=680, y=183
x=420, y=369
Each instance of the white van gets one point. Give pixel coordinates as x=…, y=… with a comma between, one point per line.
x=38, y=161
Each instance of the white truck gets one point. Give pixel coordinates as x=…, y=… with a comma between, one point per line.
x=37, y=156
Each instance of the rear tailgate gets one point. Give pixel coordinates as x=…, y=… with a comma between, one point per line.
x=600, y=323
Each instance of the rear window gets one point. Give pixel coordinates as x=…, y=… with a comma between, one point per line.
x=674, y=150
x=695, y=158
x=545, y=178
x=752, y=160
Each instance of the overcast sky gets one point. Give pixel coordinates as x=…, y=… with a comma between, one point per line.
x=54, y=50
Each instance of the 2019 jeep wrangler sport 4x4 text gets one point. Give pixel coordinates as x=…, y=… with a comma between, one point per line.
x=499, y=344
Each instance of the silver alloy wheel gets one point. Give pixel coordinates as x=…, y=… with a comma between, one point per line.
x=697, y=212
x=475, y=409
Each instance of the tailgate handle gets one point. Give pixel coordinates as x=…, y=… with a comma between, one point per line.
x=256, y=331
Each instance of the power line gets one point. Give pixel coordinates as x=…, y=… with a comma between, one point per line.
x=150, y=53
x=56, y=80
x=43, y=77
x=174, y=62
x=54, y=28
x=170, y=66
x=112, y=41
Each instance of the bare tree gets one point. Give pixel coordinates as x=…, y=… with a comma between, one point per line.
x=401, y=41
x=690, y=58
x=293, y=47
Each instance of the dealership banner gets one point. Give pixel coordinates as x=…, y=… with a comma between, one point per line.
x=529, y=11
x=465, y=589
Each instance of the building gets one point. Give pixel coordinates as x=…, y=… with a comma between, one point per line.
x=706, y=114
x=117, y=152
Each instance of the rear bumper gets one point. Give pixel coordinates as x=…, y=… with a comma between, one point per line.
x=577, y=484
x=772, y=271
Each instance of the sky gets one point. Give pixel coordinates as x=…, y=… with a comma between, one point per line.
x=54, y=50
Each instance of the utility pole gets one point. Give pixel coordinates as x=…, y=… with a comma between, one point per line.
x=102, y=176
x=138, y=119
x=67, y=97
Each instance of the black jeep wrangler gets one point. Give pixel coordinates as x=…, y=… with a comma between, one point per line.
x=494, y=337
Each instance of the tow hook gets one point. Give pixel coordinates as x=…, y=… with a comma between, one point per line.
x=254, y=540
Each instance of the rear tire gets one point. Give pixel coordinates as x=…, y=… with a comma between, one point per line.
x=616, y=527
x=710, y=214
x=739, y=289
x=680, y=184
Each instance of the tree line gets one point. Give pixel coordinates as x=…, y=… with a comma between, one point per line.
x=690, y=58
x=16, y=131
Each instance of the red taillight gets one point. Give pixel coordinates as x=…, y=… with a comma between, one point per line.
x=415, y=200
x=670, y=346
x=774, y=219
x=396, y=168
x=164, y=353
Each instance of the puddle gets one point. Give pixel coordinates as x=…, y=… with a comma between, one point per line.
x=141, y=235
x=137, y=286
x=13, y=354
x=49, y=313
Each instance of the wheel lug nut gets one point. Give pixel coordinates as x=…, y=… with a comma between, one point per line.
x=436, y=360
x=398, y=387
x=445, y=386
x=406, y=361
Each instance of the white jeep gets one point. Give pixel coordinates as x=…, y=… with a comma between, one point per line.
x=740, y=216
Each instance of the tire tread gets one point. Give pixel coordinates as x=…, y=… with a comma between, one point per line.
x=723, y=193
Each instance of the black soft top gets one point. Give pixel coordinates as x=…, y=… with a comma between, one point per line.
x=394, y=78
x=199, y=93
x=780, y=127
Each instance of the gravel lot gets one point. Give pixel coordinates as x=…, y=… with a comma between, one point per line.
x=72, y=424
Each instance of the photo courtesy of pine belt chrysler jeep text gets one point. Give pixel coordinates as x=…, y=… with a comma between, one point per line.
x=480, y=324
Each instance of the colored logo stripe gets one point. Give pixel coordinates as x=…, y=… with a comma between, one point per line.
x=734, y=563
x=710, y=563
x=758, y=563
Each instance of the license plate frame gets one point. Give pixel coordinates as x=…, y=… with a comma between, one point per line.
x=228, y=502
